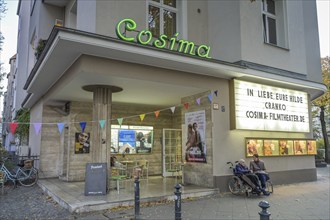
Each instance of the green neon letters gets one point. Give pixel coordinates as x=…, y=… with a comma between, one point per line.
x=144, y=37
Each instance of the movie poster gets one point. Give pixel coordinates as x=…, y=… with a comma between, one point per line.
x=195, y=147
x=82, y=145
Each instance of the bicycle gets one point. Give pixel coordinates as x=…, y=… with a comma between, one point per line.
x=25, y=176
x=237, y=186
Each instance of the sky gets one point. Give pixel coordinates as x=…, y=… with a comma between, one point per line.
x=9, y=22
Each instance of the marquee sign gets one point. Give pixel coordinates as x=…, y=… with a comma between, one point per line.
x=268, y=108
x=145, y=37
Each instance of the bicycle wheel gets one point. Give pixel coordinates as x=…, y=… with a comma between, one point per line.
x=235, y=185
x=269, y=186
x=28, y=177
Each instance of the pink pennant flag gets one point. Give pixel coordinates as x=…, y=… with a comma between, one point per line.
x=198, y=101
x=13, y=126
x=186, y=105
x=173, y=109
x=157, y=113
x=142, y=116
x=37, y=127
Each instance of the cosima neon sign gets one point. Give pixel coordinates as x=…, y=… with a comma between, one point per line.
x=145, y=37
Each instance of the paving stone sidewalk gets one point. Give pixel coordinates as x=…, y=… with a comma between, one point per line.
x=295, y=201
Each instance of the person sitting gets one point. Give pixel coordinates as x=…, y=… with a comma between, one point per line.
x=251, y=179
x=258, y=167
x=115, y=163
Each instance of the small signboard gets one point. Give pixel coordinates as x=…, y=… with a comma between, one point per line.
x=96, y=179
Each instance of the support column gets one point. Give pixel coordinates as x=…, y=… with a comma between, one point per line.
x=101, y=137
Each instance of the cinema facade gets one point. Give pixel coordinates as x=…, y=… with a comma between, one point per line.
x=119, y=71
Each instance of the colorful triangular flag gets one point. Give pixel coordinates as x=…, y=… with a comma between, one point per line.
x=186, y=105
x=120, y=121
x=37, y=127
x=102, y=123
x=157, y=113
x=198, y=101
x=142, y=116
x=216, y=92
x=83, y=126
x=13, y=126
x=60, y=127
x=210, y=97
x=173, y=109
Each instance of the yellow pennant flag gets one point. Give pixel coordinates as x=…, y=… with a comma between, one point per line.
x=142, y=116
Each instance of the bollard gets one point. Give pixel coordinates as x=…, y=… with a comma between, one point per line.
x=137, y=193
x=177, y=199
x=264, y=214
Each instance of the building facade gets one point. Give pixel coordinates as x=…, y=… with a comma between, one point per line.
x=245, y=71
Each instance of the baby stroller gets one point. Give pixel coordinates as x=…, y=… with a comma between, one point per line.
x=237, y=185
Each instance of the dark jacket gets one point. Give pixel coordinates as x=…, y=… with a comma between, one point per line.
x=240, y=169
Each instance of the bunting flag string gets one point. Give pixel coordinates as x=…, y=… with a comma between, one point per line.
x=120, y=121
x=142, y=116
x=157, y=113
x=198, y=101
x=61, y=125
x=210, y=97
x=102, y=123
x=83, y=126
x=173, y=109
x=13, y=126
x=37, y=127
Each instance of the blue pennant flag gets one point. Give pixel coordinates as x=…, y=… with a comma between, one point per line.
x=83, y=126
x=210, y=97
x=60, y=127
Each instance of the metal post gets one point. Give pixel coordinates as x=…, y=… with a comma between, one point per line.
x=177, y=199
x=137, y=193
x=264, y=214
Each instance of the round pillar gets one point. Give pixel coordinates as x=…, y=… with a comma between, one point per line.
x=101, y=137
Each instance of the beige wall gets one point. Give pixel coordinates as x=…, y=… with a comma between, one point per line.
x=114, y=11
x=200, y=173
x=57, y=151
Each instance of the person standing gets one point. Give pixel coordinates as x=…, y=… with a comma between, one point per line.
x=258, y=167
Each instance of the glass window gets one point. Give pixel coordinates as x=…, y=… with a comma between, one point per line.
x=154, y=20
x=271, y=6
x=171, y=3
x=269, y=21
x=131, y=139
x=272, y=30
x=169, y=23
x=162, y=17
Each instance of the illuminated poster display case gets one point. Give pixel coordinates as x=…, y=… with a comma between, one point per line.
x=128, y=139
x=279, y=147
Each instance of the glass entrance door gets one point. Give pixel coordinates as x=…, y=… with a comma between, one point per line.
x=172, y=151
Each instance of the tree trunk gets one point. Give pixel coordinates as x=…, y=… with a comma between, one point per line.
x=325, y=135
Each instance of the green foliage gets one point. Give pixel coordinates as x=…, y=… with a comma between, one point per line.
x=40, y=48
x=324, y=100
x=320, y=144
x=23, y=120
